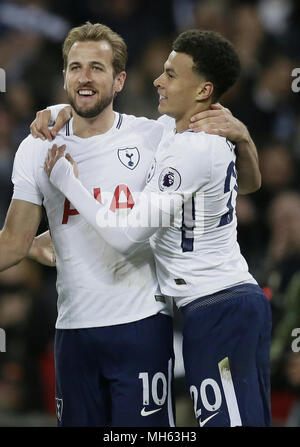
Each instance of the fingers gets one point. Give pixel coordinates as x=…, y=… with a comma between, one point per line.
x=217, y=110
x=212, y=130
x=73, y=163
x=214, y=125
x=53, y=133
x=64, y=115
x=38, y=132
x=47, y=165
x=56, y=151
x=53, y=155
x=205, y=114
x=218, y=106
x=226, y=126
x=225, y=119
x=209, y=114
x=35, y=133
x=69, y=158
x=39, y=127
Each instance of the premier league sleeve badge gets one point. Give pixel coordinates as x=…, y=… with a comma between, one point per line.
x=169, y=180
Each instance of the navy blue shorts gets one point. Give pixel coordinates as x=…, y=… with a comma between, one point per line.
x=118, y=375
x=226, y=345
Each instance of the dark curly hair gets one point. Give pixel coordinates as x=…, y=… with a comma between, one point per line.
x=214, y=58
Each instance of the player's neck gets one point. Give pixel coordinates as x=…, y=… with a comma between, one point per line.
x=183, y=122
x=89, y=127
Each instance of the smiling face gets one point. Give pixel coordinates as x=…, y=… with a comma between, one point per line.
x=180, y=88
x=90, y=82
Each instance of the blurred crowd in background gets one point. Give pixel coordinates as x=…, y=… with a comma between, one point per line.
x=266, y=34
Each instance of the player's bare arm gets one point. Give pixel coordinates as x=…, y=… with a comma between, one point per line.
x=42, y=250
x=20, y=227
x=220, y=121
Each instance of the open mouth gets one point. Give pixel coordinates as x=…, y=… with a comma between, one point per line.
x=86, y=93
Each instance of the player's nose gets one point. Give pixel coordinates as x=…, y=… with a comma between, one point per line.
x=84, y=76
x=157, y=81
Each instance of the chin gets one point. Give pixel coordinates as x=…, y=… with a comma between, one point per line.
x=162, y=110
x=88, y=113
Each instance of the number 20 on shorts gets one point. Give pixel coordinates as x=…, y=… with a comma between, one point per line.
x=229, y=393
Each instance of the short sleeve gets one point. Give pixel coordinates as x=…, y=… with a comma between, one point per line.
x=54, y=110
x=23, y=175
x=167, y=121
x=152, y=132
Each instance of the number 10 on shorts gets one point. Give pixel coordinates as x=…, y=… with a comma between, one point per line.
x=229, y=393
x=158, y=381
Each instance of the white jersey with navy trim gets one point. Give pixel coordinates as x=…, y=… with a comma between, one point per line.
x=96, y=285
x=199, y=254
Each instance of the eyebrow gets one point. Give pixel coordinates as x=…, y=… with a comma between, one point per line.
x=169, y=70
x=90, y=63
x=97, y=63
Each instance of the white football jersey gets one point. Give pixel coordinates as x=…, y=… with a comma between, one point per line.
x=198, y=254
x=96, y=285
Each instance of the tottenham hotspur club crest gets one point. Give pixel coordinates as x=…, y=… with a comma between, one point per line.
x=129, y=157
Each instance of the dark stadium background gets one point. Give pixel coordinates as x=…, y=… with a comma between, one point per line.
x=266, y=34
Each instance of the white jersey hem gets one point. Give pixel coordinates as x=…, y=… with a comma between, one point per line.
x=184, y=300
x=86, y=325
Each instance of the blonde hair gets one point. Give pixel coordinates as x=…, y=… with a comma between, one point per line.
x=96, y=32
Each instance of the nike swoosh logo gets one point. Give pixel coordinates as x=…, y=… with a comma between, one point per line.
x=147, y=413
x=201, y=423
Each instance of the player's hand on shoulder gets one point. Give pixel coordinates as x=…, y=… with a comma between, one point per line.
x=39, y=128
x=218, y=120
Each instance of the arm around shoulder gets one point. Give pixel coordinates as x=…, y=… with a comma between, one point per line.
x=247, y=164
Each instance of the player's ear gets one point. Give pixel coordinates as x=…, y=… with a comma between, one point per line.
x=205, y=91
x=119, y=81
